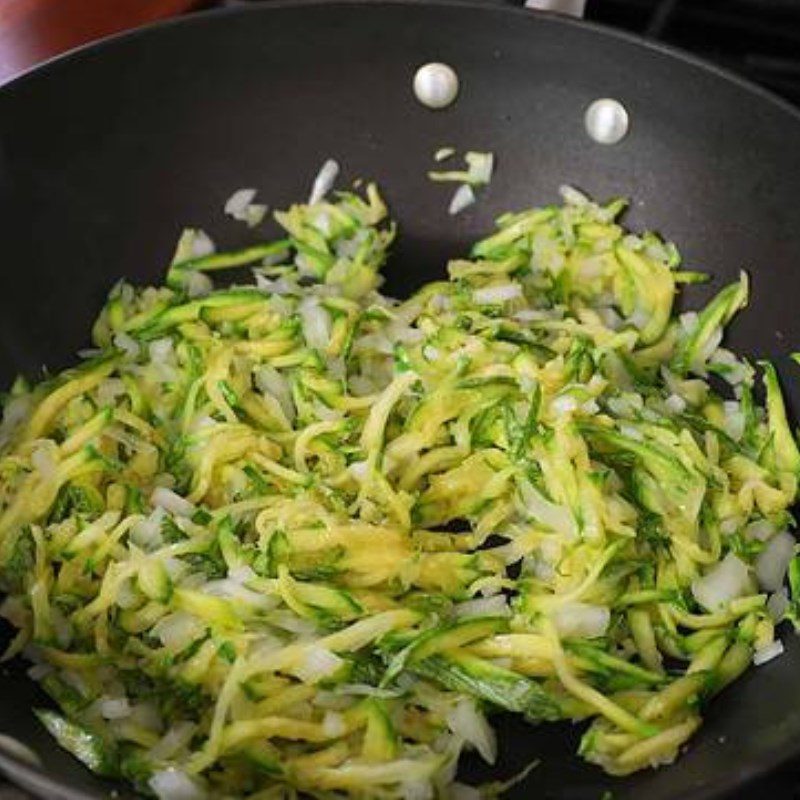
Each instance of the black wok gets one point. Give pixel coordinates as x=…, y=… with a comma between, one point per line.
x=107, y=153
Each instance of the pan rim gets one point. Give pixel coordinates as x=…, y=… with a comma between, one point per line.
x=203, y=16
x=35, y=778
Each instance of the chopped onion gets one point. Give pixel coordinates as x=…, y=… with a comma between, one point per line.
x=767, y=653
x=202, y=244
x=230, y=589
x=581, y=620
x=734, y=419
x=14, y=412
x=494, y=295
x=177, y=631
x=161, y=350
x=324, y=181
x=443, y=153
x=174, y=784
x=483, y=606
x=778, y=604
x=236, y=205
x=463, y=197
x=564, y=404
x=722, y=583
x=773, y=561
x=171, y=502
x=554, y=516
x=317, y=665
x=270, y=381
x=689, y=321
x=761, y=529
x=466, y=721
x=333, y=724
x=114, y=707
x=44, y=461
x=198, y=284
x=255, y=213
x=316, y=323
x=675, y=404
x=480, y=166
x=146, y=533
x=573, y=197
x=128, y=345
x=174, y=740
x=359, y=470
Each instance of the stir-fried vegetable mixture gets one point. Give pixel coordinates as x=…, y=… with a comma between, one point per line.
x=298, y=537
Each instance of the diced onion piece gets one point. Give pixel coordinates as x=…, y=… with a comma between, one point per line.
x=324, y=181
x=202, y=244
x=466, y=721
x=174, y=784
x=198, y=284
x=495, y=295
x=171, y=502
x=44, y=461
x=128, y=345
x=161, y=350
x=177, y=737
x=734, y=421
x=254, y=214
x=573, y=197
x=443, y=153
x=270, y=381
x=767, y=653
x=115, y=707
x=761, y=529
x=480, y=166
x=675, y=404
x=564, y=404
x=722, y=583
x=316, y=323
x=177, y=631
x=147, y=532
x=483, y=606
x=333, y=724
x=581, y=620
x=773, y=561
x=463, y=197
x=236, y=205
x=317, y=665
x=778, y=604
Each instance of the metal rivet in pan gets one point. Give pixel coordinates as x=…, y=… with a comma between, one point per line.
x=436, y=85
x=606, y=121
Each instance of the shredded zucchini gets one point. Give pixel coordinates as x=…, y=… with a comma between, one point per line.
x=298, y=537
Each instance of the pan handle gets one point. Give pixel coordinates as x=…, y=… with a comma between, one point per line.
x=571, y=8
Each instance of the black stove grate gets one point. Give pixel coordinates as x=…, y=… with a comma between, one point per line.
x=759, y=39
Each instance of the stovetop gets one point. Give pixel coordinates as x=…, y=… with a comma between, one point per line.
x=759, y=39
